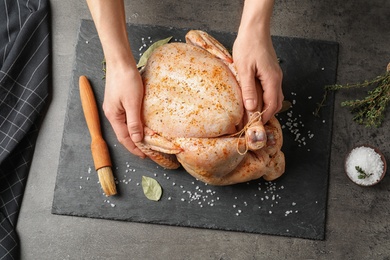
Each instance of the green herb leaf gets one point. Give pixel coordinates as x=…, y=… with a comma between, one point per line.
x=370, y=110
x=145, y=56
x=152, y=188
x=362, y=173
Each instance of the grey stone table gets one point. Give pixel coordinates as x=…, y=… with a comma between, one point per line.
x=357, y=219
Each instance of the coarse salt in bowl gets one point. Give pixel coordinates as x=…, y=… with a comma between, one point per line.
x=365, y=165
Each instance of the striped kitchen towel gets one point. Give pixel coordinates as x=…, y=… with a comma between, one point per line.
x=25, y=78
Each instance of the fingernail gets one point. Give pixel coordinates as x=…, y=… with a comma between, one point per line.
x=136, y=137
x=250, y=104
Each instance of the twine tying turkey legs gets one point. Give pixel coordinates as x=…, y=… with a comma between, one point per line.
x=255, y=117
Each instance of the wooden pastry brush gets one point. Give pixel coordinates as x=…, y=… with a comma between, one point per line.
x=99, y=148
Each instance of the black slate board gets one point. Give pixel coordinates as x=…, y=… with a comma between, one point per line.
x=294, y=205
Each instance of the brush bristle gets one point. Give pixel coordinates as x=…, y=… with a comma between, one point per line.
x=106, y=179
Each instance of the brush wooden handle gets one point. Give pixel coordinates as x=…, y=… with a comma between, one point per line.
x=99, y=148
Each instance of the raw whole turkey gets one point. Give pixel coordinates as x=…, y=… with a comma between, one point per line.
x=194, y=116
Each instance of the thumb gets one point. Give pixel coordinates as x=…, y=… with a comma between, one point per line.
x=134, y=125
x=248, y=90
x=135, y=131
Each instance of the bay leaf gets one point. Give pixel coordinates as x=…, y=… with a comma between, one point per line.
x=286, y=105
x=145, y=56
x=152, y=189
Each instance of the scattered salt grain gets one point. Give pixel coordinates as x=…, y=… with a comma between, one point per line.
x=369, y=161
x=295, y=127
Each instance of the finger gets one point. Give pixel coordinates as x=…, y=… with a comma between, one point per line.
x=267, y=114
x=273, y=94
x=122, y=133
x=248, y=89
x=134, y=124
x=273, y=99
x=128, y=143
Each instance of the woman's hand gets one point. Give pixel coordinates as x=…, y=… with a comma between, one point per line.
x=256, y=61
x=124, y=90
x=122, y=105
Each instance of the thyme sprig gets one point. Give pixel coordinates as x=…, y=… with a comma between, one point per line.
x=362, y=173
x=369, y=111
